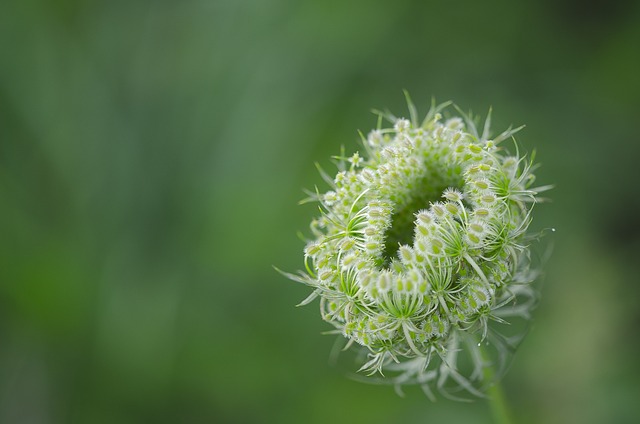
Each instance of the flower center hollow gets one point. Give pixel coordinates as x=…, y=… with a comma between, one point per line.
x=401, y=231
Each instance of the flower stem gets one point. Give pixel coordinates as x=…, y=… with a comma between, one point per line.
x=498, y=404
x=496, y=398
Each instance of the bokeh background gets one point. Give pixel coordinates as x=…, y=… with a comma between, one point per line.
x=152, y=154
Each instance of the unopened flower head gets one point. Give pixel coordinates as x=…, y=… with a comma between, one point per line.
x=420, y=252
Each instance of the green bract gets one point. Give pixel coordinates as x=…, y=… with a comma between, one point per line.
x=421, y=243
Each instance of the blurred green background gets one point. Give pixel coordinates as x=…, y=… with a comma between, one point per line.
x=152, y=154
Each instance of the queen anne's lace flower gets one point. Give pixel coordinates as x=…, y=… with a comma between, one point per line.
x=421, y=245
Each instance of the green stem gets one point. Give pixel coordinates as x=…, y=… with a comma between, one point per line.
x=498, y=404
x=496, y=398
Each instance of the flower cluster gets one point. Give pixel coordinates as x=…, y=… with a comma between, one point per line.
x=421, y=246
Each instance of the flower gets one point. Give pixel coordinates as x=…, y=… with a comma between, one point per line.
x=420, y=253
